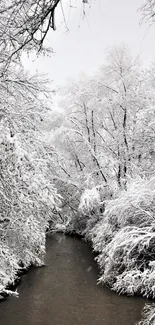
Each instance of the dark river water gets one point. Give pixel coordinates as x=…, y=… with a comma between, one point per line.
x=65, y=292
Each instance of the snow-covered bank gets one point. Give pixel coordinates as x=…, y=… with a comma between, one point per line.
x=124, y=239
x=123, y=236
x=18, y=254
x=148, y=315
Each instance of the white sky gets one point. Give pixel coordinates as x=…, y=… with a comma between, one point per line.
x=81, y=49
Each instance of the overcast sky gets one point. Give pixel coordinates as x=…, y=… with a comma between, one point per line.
x=81, y=49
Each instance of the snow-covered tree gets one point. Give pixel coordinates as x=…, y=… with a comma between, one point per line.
x=24, y=25
x=28, y=197
x=108, y=124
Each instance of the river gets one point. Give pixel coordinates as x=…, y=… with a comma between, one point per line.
x=64, y=292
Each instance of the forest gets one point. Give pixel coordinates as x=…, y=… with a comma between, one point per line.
x=86, y=169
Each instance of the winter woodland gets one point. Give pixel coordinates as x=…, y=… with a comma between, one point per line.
x=88, y=168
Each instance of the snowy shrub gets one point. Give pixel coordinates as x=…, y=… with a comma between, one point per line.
x=27, y=241
x=8, y=267
x=102, y=233
x=135, y=206
x=124, y=238
x=148, y=315
x=88, y=211
x=126, y=261
x=89, y=200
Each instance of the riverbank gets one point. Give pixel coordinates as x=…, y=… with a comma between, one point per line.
x=10, y=288
x=123, y=237
x=20, y=252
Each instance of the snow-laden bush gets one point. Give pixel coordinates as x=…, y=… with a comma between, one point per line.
x=90, y=209
x=8, y=267
x=26, y=239
x=89, y=200
x=148, y=315
x=127, y=261
x=125, y=240
x=135, y=205
x=102, y=233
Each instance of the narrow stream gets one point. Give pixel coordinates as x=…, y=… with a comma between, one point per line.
x=65, y=292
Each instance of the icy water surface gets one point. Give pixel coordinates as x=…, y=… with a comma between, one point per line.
x=65, y=292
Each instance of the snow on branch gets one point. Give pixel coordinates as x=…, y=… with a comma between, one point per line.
x=24, y=25
x=148, y=11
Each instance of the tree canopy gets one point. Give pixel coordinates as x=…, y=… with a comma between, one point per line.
x=24, y=25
